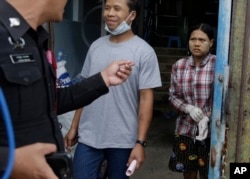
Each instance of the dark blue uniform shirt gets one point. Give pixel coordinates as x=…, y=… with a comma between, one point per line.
x=28, y=83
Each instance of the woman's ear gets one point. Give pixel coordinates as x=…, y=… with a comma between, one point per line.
x=211, y=43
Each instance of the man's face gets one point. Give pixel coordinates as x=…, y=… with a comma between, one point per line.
x=115, y=11
x=199, y=43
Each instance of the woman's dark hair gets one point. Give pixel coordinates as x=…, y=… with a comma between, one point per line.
x=206, y=28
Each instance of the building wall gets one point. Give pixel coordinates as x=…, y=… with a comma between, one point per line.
x=238, y=108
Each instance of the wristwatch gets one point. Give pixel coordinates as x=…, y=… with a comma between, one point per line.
x=143, y=143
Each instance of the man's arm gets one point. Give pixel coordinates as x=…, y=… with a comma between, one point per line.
x=145, y=112
x=70, y=138
x=144, y=120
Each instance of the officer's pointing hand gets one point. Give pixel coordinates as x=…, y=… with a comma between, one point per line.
x=117, y=72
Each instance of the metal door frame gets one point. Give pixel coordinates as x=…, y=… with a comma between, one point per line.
x=218, y=121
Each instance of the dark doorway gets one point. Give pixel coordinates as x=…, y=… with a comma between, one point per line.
x=172, y=18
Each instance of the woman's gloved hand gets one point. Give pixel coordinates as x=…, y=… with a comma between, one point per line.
x=203, y=129
x=195, y=113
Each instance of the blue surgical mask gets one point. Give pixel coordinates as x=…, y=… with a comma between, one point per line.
x=123, y=27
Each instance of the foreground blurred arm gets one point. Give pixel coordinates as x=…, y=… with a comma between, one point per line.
x=84, y=92
x=30, y=162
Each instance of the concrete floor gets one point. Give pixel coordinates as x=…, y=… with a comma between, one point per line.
x=158, y=150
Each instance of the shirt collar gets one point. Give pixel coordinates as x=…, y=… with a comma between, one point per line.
x=18, y=30
x=7, y=12
x=203, y=62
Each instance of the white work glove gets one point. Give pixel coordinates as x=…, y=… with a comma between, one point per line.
x=203, y=129
x=195, y=113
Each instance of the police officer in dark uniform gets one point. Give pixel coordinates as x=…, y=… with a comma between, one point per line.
x=27, y=78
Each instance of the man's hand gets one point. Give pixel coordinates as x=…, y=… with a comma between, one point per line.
x=203, y=129
x=70, y=139
x=30, y=162
x=117, y=72
x=195, y=113
x=138, y=154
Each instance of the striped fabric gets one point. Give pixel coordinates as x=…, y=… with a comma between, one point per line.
x=193, y=85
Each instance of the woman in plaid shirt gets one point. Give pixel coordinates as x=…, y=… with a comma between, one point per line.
x=191, y=93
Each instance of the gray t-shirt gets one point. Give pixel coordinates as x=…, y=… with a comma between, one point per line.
x=111, y=121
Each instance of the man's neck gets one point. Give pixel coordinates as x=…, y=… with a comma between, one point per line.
x=122, y=37
x=31, y=13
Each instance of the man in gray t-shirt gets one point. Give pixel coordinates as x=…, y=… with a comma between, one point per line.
x=115, y=126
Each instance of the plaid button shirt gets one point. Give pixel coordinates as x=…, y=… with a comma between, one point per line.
x=193, y=85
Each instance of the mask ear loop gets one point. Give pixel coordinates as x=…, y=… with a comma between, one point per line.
x=129, y=17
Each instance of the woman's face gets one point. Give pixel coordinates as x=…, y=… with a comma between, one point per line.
x=199, y=44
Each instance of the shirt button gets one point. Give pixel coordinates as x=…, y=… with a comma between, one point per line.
x=26, y=79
